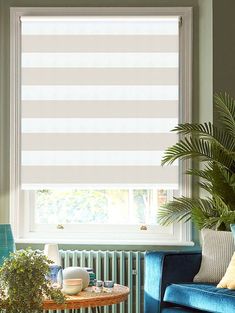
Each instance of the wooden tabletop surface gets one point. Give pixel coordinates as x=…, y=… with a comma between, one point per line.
x=87, y=298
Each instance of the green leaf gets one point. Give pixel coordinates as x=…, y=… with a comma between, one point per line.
x=209, y=132
x=206, y=213
x=225, y=106
x=23, y=275
x=190, y=148
x=180, y=209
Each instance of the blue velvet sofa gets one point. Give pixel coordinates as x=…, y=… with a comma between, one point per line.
x=169, y=286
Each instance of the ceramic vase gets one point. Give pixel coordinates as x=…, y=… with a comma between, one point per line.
x=51, y=250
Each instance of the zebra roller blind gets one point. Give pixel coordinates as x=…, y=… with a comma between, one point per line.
x=99, y=98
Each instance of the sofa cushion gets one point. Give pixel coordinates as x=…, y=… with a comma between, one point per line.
x=217, y=251
x=180, y=310
x=202, y=297
x=228, y=281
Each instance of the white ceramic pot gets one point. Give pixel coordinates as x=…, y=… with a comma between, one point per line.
x=77, y=272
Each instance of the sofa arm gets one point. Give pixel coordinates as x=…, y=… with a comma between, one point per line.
x=163, y=268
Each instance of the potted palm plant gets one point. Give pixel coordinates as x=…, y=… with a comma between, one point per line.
x=214, y=148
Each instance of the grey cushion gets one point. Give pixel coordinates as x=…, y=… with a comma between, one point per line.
x=217, y=251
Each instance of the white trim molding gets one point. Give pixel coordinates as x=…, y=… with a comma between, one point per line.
x=177, y=234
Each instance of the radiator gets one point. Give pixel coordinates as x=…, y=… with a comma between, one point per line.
x=123, y=267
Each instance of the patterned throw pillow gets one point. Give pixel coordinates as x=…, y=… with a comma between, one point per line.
x=228, y=281
x=217, y=251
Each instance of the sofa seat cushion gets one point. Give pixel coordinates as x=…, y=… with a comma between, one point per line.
x=204, y=297
x=180, y=310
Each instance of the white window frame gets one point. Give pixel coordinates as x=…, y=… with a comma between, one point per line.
x=178, y=234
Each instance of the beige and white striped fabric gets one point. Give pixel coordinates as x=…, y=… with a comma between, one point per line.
x=99, y=98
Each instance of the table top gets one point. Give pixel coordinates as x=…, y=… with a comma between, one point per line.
x=87, y=298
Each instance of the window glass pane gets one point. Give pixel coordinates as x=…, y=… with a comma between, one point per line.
x=108, y=206
x=81, y=206
x=141, y=203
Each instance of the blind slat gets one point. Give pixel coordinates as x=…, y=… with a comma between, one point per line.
x=91, y=158
x=99, y=26
x=116, y=43
x=76, y=92
x=99, y=175
x=100, y=60
x=104, y=76
x=99, y=109
x=97, y=142
x=98, y=125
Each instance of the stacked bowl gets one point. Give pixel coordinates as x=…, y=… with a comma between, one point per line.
x=72, y=286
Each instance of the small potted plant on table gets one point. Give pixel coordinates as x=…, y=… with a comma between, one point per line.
x=23, y=283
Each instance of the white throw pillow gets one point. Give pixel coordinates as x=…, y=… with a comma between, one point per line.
x=217, y=251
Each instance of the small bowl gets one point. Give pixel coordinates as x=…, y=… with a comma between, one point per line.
x=72, y=286
x=72, y=282
x=72, y=289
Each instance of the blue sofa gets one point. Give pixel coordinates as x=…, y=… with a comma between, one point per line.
x=169, y=286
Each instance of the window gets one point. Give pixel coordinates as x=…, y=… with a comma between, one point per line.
x=108, y=206
x=95, y=93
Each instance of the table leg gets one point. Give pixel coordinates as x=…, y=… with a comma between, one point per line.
x=95, y=309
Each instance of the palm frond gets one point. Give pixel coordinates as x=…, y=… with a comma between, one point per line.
x=228, y=177
x=219, y=218
x=207, y=186
x=226, y=215
x=220, y=205
x=209, y=132
x=202, y=220
x=190, y=148
x=180, y=209
x=206, y=213
x=225, y=105
x=198, y=173
x=216, y=179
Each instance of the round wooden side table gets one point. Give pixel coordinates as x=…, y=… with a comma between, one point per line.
x=87, y=298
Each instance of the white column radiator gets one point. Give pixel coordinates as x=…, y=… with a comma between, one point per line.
x=123, y=267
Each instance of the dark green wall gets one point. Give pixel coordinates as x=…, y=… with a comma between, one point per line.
x=202, y=70
x=224, y=46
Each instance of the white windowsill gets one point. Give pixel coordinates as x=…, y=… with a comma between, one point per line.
x=107, y=242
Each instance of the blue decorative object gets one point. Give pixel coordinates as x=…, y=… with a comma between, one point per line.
x=92, y=275
x=7, y=244
x=55, y=275
x=232, y=226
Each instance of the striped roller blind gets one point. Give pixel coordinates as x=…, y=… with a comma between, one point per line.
x=99, y=98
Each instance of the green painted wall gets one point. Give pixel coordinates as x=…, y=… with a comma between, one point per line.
x=224, y=46
x=202, y=74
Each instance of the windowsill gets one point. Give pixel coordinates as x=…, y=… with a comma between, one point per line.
x=107, y=242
